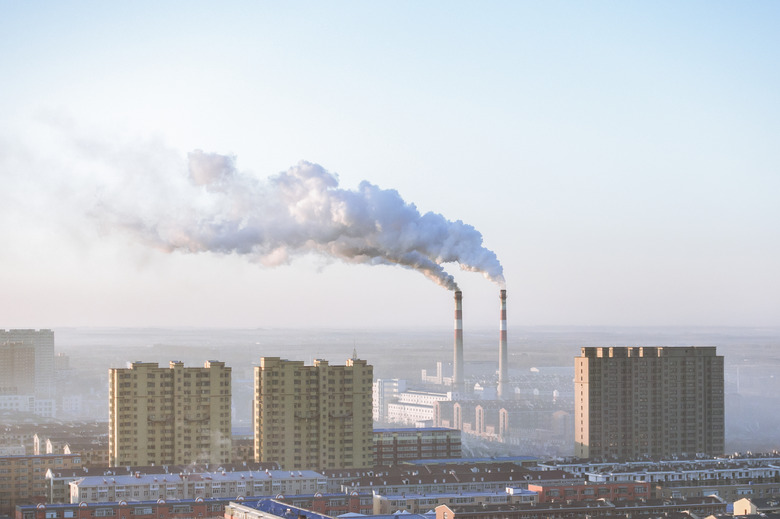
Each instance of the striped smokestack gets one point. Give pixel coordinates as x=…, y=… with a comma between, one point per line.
x=503, y=365
x=457, y=362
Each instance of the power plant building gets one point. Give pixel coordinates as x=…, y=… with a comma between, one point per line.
x=313, y=417
x=169, y=416
x=632, y=402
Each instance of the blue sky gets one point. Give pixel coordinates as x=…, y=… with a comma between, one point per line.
x=619, y=158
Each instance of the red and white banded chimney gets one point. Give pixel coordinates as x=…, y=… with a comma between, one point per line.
x=457, y=361
x=503, y=363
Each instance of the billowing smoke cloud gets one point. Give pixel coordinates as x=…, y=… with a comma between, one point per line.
x=303, y=210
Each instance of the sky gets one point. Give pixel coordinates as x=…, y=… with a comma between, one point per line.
x=619, y=159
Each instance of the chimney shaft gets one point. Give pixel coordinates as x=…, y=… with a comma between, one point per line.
x=503, y=364
x=457, y=362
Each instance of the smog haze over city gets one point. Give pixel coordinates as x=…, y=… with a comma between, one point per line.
x=233, y=180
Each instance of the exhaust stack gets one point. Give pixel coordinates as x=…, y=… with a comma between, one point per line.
x=457, y=362
x=503, y=364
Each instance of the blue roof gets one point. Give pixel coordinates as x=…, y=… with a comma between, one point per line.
x=280, y=509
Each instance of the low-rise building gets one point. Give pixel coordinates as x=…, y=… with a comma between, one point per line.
x=453, y=479
x=393, y=446
x=590, y=491
x=756, y=506
x=601, y=508
x=730, y=478
x=23, y=478
x=157, y=509
x=421, y=503
x=202, y=508
x=143, y=487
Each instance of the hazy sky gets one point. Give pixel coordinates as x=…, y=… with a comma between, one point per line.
x=620, y=158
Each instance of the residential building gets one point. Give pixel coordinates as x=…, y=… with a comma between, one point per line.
x=313, y=417
x=634, y=402
x=202, y=508
x=393, y=446
x=168, y=416
x=728, y=477
x=421, y=503
x=756, y=507
x=144, y=487
x=42, y=342
x=17, y=368
x=590, y=491
x=58, y=482
x=270, y=509
x=157, y=509
x=476, y=477
x=23, y=478
x=627, y=509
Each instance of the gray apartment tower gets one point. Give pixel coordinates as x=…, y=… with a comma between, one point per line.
x=632, y=402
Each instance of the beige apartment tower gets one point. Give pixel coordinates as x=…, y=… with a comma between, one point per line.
x=313, y=417
x=169, y=416
x=632, y=402
x=17, y=368
x=41, y=377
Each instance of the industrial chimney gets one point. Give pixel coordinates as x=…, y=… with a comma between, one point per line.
x=503, y=364
x=457, y=362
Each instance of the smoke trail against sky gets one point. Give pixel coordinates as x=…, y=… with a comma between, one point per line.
x=303, y=210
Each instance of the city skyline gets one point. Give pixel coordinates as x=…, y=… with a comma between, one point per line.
x=618, y=159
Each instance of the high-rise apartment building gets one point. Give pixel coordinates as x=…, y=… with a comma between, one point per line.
x=169, y=416
x=42, y=342
x=313, y=417
x=17, y=368
x=648, y=401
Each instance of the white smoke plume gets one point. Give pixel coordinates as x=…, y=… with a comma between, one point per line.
x=303, y=210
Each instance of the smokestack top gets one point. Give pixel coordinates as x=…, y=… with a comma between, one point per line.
x=502, y=294
x=459, y=295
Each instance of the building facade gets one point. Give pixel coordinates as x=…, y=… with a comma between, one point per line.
x=591, y=491
x=421, y=503
x=42, y=342
x=17, y=368
x=169, y=416
x=23, y=478
x=206, y=485
x=313, y=417
x=632, y=402
x=394, y=446
x=385, y=391
x=160, y=509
